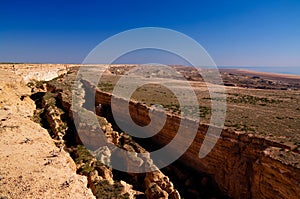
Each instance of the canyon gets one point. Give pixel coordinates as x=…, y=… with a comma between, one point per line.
x=244, y=166
x=241, y=164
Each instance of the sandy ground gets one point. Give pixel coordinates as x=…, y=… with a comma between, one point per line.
x=31, y=165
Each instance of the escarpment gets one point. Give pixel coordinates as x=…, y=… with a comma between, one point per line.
x=104, y=181
x=243, y=165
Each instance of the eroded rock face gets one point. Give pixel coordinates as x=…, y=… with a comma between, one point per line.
x=100, y=174
x=53, y=116
x=154, y=191
x=38, y=72
x=238, y=162
x=31, y=165
x=159, y=186
x=244, y=166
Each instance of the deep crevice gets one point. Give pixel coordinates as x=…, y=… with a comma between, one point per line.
x=73, y=145
x=136, y=180
x=39, y=113
x=193, y=185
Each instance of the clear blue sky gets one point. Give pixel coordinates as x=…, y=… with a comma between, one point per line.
x=235, y=33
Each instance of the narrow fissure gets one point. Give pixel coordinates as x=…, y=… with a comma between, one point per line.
x=39, y=114
x=108, y=183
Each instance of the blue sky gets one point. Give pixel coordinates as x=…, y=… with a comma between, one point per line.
x=235, y=33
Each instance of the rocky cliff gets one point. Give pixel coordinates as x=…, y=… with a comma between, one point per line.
x=103, y=180
x=243, y=165
x=31, y=165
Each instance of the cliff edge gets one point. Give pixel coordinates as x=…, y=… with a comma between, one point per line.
x=31, y=165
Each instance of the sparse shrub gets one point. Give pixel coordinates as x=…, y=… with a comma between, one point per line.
x=249, y=99
x=104, y=188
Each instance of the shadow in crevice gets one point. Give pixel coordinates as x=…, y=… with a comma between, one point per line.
x=189, y=182
x=39, y=113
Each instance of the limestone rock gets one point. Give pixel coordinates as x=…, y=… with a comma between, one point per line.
x=174, y=195
x=155, y=192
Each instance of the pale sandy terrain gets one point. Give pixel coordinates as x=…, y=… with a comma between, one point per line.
x=31, y=165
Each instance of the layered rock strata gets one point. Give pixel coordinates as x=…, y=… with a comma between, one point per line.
x=243, y=165
x=101, y=175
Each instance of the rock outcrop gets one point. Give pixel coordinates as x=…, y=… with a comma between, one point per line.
x=31, y=165
x=159, y=186
x=37, y=72
x=100, y=176
x=97, y=172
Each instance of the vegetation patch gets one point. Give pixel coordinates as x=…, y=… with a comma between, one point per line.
x=249, y=99
x=107, y=87
x=241, y=127
x=104, y=189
